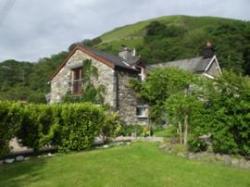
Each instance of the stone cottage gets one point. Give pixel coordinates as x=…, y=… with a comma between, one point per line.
x=114, y=73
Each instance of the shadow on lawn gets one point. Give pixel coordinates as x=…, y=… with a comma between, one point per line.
x=22, y=174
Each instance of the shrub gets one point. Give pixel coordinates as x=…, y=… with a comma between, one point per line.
x=38, y=126
x=81, y=123
x=196, y=145
x=111, y=126
x=129, y=130
x=69, y=126
x=10, y=120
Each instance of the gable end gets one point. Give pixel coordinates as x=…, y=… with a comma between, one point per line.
x=86, y=51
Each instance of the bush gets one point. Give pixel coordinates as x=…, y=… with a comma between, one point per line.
x=10, y=121
x=111, y=126
x=68, y=126
x=196, y=145
x=81, y=123
x=37, y=128
x=129, y=130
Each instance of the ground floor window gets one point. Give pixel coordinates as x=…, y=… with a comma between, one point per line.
x=142, y=111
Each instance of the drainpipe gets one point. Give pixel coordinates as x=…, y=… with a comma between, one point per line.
x=116, y=89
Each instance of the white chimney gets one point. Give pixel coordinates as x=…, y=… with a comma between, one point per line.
x=125, y=53
x=134, y=52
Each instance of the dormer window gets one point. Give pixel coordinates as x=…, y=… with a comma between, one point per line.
x=77, y=81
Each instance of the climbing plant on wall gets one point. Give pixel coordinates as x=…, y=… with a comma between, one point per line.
x=91, y=92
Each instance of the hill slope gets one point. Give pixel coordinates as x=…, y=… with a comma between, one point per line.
x=184, y=37
x=156, y=40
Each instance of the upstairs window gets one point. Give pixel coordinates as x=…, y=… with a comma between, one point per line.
x=77, y=81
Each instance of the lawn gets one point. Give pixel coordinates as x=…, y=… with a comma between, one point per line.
x=138, y=164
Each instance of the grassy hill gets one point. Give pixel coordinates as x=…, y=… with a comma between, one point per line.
x=230, y=37
x=129, y=32
x=156, y=40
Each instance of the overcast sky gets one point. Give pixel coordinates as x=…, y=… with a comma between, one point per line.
x=31, y=29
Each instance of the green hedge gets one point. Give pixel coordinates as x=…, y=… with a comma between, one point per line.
x=80, y=124
x=10, y=122
x=68, y=126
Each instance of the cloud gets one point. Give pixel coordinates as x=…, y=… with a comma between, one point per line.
x=34, y=29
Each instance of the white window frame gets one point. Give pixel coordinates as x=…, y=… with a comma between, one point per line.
x=145, y=111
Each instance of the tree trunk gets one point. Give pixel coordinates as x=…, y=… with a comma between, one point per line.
x=180, y=132
x=185, y=129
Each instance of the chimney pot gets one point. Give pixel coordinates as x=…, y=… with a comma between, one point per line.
x=208, y=51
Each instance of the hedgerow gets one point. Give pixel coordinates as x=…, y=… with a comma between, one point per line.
x=67, y=126
x=10, y=122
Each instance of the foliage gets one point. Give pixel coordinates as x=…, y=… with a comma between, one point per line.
x=181, y=108
x=67, y=126
x=196, y=145
x=130, y=130
x=81, y=123
x=38, y=126
x=230, y=110
x=159, y=40
x=160, y=84
x=176, y=37
x=10, y=121
x=221, y=108
x=27, y=81
x=198, y=106
x=111, y=127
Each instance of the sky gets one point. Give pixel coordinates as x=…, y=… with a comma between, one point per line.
x=32, y=29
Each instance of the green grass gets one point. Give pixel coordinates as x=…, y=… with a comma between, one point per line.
x=139, y=164
x=136, y=30
x=167, y=132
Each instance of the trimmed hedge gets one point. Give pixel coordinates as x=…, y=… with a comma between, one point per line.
x=68, y=126
x=80, y=124
x=10, y=122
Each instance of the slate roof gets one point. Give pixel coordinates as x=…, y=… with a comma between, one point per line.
x=194, y=65
x=106, y=58
x=116, y=60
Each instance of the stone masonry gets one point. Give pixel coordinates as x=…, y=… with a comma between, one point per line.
x=118, y=95
x=60, y=84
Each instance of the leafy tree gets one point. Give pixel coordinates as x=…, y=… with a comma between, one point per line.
x=160, y=85
x=230, y=107
x=181, y=108
x=28, y=81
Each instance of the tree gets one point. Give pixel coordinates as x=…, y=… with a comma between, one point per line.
x=229, y=106
x=181, y=108
x=159, y=86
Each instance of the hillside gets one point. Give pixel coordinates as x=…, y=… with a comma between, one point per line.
x=156, y=40
x=184, y=37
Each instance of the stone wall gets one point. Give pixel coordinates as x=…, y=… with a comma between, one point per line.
x=118, y=94
x=60, y=84
x=127, y=101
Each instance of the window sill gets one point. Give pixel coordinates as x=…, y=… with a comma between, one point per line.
x=142, y=117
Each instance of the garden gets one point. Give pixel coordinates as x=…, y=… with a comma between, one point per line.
x=183, y=109
x=137, y=164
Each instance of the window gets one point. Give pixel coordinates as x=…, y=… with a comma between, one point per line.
x=77, y=81
x=142, y=111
